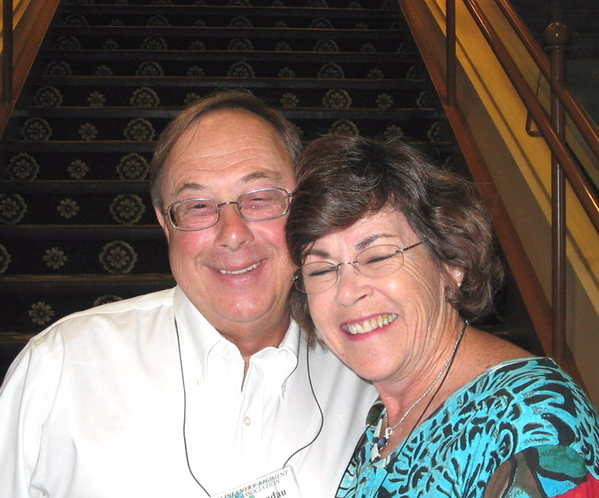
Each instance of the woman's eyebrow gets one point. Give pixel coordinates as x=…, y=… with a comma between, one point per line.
x=360, y=246
x=368, y=241
x=319, y=253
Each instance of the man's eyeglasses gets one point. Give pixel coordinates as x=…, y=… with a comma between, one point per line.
x=374, y=262
x=257, y=205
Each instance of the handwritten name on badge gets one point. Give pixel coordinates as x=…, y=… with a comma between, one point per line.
x=279, y=484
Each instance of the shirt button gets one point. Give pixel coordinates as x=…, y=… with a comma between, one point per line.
x=283, y=389
x=226, y=350
x=200, y=381
x=247, y=420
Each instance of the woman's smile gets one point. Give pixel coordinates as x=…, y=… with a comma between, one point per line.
x=366, y=326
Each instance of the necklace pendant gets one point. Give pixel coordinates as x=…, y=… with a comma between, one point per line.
x=385, y=439
x=382, y=442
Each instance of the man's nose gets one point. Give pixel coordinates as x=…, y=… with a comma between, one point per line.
x=233, y=229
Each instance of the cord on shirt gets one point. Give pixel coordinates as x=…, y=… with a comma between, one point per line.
x=185, y=410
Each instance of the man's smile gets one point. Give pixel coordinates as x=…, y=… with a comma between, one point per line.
x=241, y=271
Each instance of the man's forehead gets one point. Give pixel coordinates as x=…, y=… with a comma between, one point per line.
x=236, y=145
x=276, y=177
x=217, y=116
x=228, y=130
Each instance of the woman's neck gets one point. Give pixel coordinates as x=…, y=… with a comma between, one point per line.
x=413, y=398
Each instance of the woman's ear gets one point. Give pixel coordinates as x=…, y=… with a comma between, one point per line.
x=456, y=274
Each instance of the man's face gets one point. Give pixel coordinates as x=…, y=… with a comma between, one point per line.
x=237, y=272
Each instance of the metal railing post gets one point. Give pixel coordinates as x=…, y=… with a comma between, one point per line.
x=557, y=38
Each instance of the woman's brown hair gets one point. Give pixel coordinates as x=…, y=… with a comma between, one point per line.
x=341, y=179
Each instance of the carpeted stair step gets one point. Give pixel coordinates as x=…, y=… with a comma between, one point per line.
x=273, y=5
x=291, y=15
x=141, y=97
x=358, y=59
x=62, y=249
x=50, y=297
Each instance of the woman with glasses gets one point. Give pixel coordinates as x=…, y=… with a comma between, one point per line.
x=396, y=261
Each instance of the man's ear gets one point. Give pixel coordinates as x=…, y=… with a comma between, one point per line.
x=163, y=223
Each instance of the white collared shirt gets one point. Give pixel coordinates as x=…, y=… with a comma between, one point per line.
x=95, y=407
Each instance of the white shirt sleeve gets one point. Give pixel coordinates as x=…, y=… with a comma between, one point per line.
x=26, y=398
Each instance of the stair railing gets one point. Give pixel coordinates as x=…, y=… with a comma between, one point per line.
x=7, y=52
x=552, y=129
x=24, y=25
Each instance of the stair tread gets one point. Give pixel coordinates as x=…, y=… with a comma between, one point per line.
x=171, y=112
x=80, y=146
x=76, y=186
x=209, y=55
x=86, y=277
x=193, y=82
x=199, y=10
x=226, y=31
x=71, y=230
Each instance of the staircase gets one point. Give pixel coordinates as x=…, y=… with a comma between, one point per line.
x=77, y=227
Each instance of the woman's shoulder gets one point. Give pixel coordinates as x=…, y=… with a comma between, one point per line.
x=526, y=375
x=533, y=397
x=533, y=380
x=496, y=364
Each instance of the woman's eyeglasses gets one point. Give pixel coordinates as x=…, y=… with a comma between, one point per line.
x=374, y=262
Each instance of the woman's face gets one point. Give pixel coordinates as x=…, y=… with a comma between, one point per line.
x=386, y=327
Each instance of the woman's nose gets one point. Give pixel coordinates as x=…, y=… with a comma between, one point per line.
x=352, y=286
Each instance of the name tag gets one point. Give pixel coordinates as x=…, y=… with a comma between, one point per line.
x=281, y=483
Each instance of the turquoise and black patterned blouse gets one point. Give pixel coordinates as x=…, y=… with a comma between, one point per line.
x=525, y=420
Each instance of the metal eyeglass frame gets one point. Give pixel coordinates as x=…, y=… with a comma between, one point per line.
x=169, y=211
x=355, y=264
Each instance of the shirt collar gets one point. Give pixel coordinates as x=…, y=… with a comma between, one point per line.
x=193, y=328
x=199, y=333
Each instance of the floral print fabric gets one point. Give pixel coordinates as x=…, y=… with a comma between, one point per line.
x=522, y=429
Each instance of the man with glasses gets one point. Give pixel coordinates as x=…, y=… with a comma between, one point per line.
x=207, y=389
